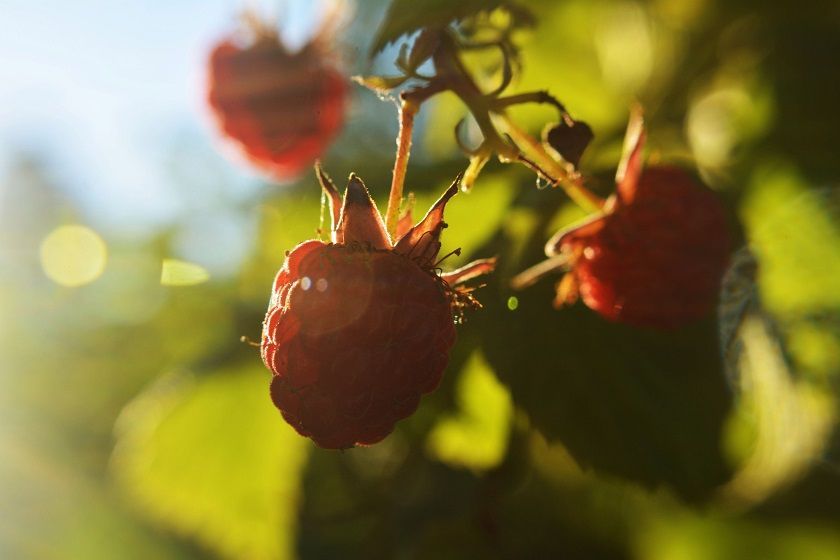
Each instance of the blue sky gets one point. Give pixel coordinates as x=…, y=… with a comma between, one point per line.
x=104, y=91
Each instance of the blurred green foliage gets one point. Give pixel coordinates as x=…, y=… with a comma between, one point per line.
x=137, y=425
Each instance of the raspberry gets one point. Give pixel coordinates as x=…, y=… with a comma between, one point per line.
x=655, y=257
x=359, y=328
x=280, y=109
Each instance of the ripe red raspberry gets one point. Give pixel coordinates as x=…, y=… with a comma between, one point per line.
x=358, y=329
x=280, y=109
x=657, y=254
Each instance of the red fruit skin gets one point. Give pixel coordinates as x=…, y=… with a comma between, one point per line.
x=354, y=336
x=281, y=110
x=657, y=259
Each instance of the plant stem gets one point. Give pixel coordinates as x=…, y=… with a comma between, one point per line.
x=410, y=102
x=451, y=71
x=408, y=109
x=558, y=174
x=458, y=79
x=542, y=97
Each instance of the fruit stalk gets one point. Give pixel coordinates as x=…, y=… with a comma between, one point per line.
x=410, y=102
x=408, y=110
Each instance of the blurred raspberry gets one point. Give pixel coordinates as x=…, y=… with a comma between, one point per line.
x=656, y=259
x=655, y=256
x=358, y=329
x=281, y=109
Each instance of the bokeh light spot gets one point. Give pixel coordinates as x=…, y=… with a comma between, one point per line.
x=181, y=273
x=624, y=46
x=513, y=303
x=73, y=255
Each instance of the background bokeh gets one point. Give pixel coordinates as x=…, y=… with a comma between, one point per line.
x=134, y=253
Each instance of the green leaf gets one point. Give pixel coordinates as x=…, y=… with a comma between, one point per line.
x=423, y=48
x=644, y=405
x=406, y=16
x=477, y=436
x=213, y=460
x=714, y=537
x=784, y=423
x=785, y=351
x=796, y=236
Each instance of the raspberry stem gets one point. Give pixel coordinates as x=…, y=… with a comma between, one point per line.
x=408, y=109
x=410, y=102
